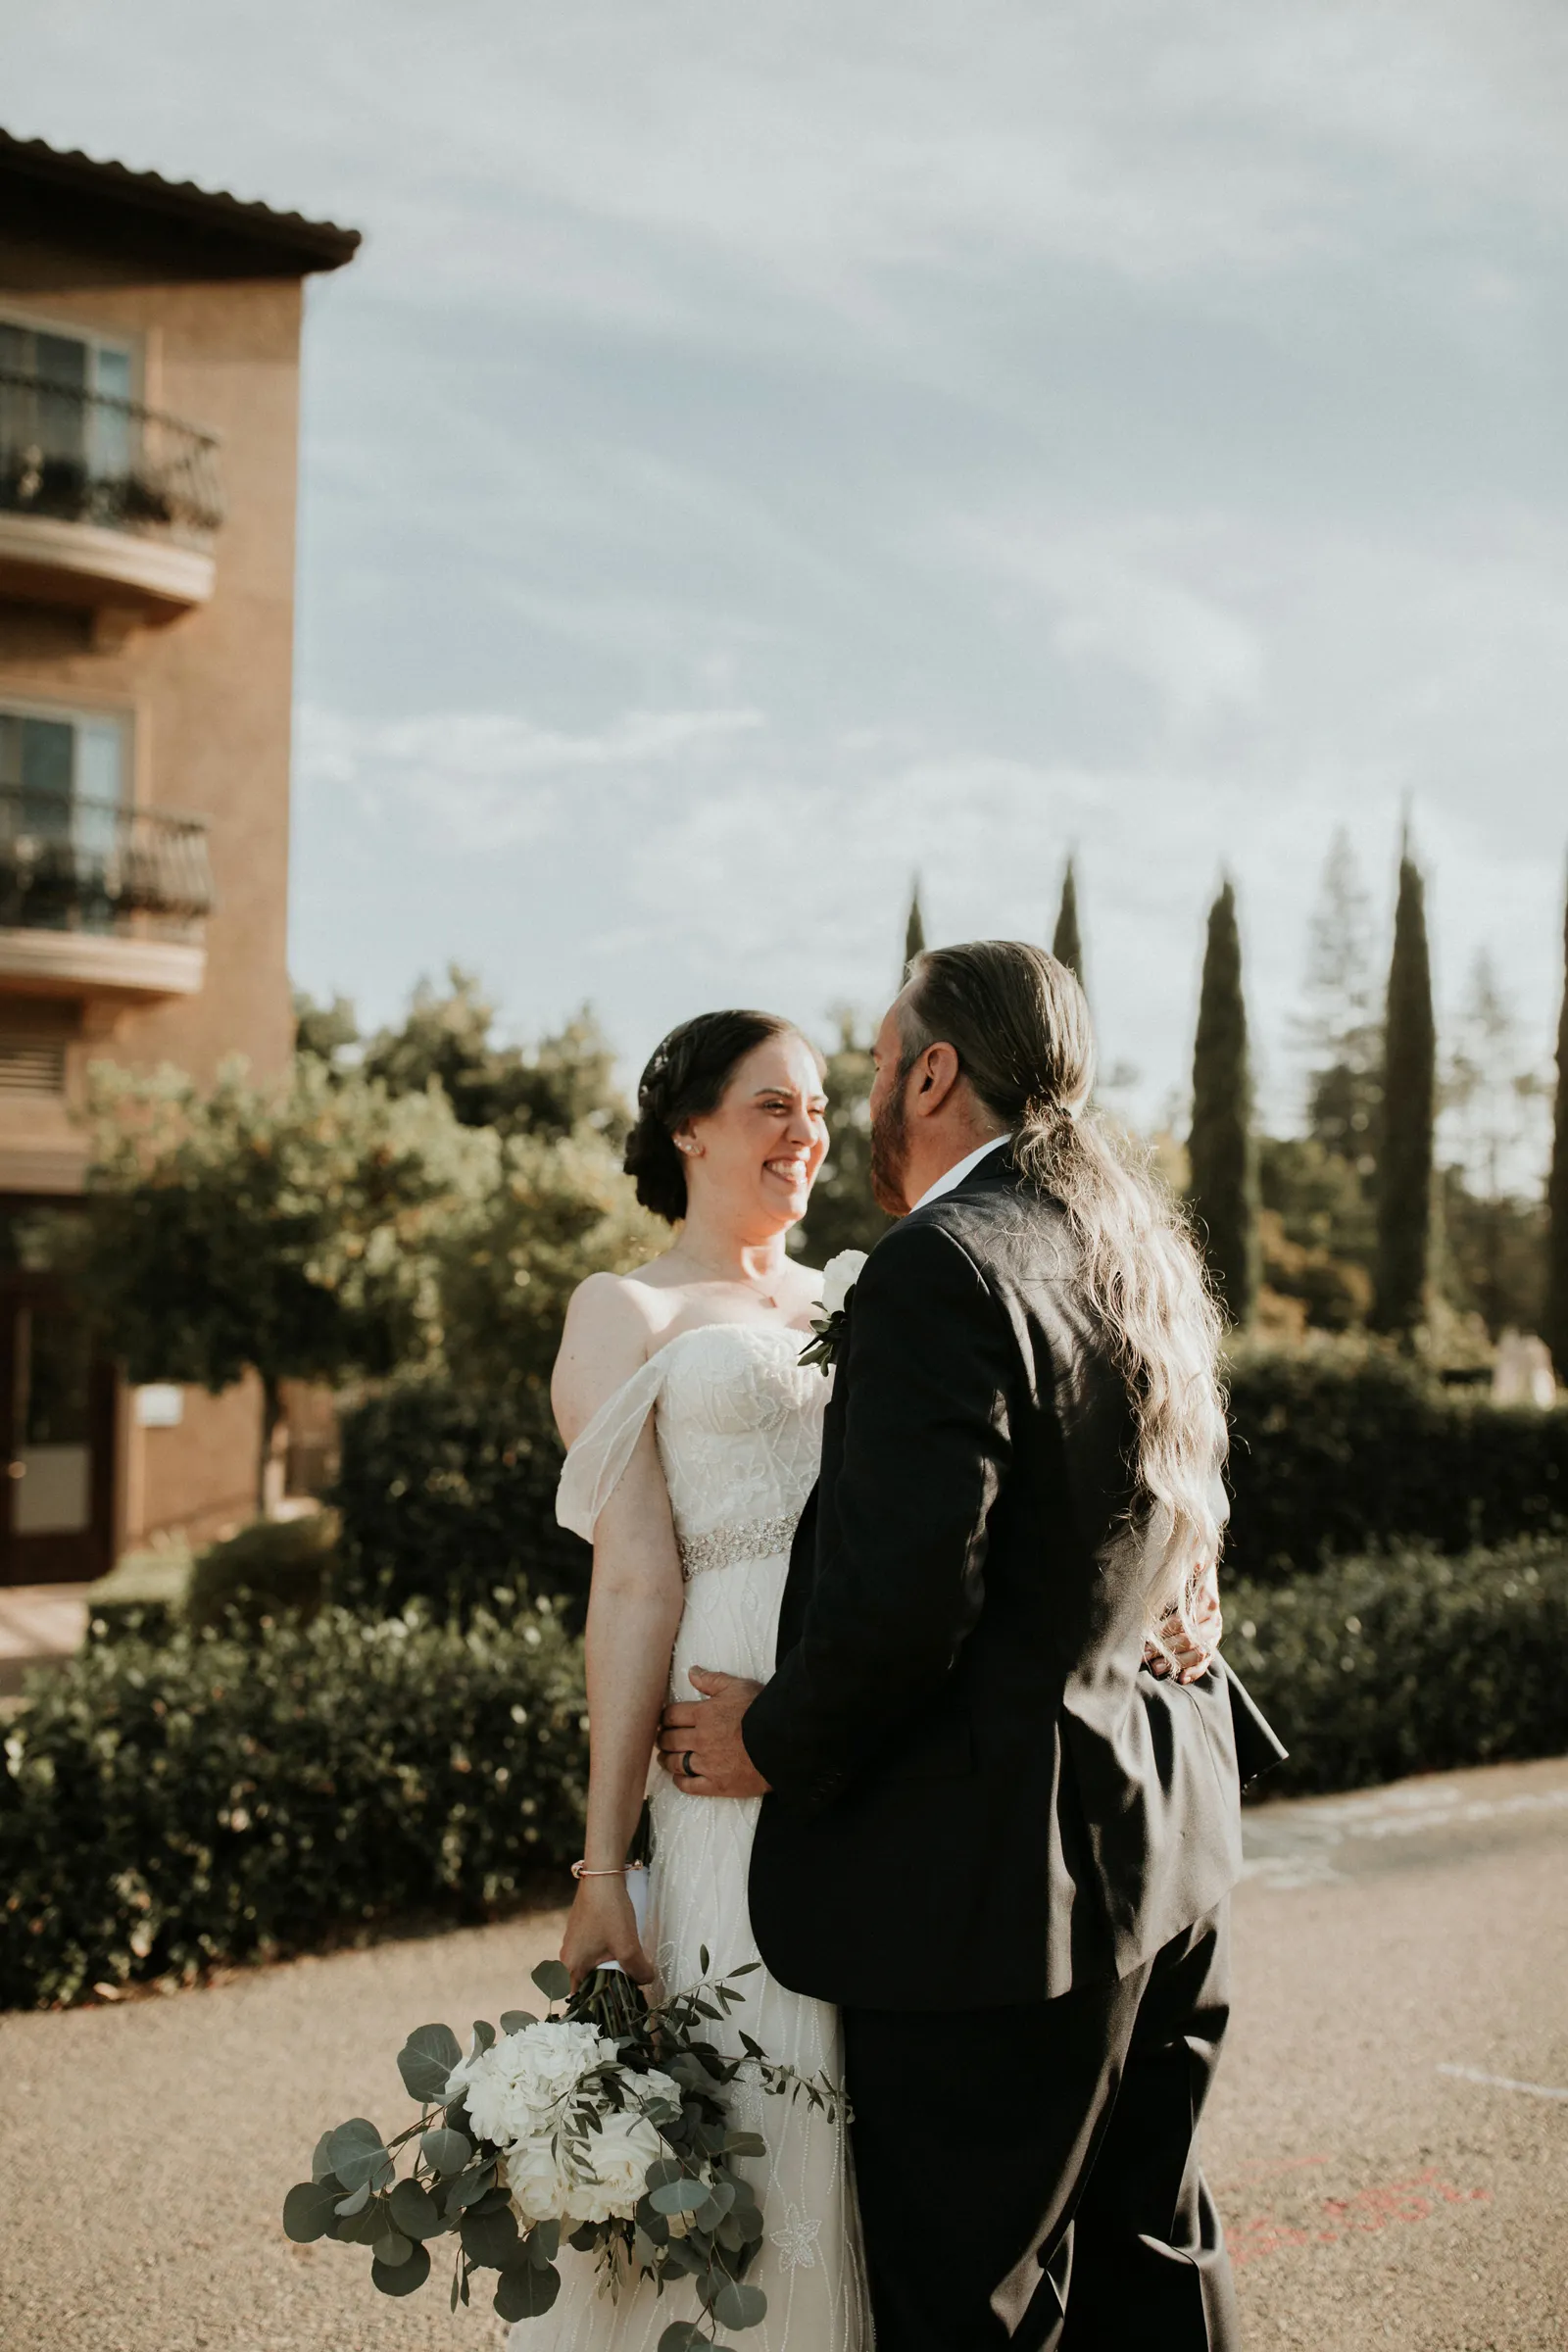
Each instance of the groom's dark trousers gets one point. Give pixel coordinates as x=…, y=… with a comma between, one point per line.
x=999, y=1842
x=1067, y=2213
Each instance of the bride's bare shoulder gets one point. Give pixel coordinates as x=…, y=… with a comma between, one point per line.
x=611, y=1326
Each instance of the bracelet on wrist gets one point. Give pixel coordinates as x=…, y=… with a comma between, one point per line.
x=580, y=1869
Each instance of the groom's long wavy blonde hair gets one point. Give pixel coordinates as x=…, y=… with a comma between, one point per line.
x=1019, y=1024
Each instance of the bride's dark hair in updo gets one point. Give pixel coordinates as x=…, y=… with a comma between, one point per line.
x=685, y=1079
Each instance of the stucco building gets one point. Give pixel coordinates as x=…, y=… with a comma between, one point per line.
x=149, y=399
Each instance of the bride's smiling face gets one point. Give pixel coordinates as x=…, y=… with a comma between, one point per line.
x=757, y=1156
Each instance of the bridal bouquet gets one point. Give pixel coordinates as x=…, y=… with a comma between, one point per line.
x=607, y=2123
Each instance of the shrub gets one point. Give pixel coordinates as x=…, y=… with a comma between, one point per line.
x=143, y=1594
x=1411, y=1662
x=1334, y=1453
x=272, y=1568
x=223, y=1799
x=445, y=1495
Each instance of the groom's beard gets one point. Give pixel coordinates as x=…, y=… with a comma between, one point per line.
x=888, y=1152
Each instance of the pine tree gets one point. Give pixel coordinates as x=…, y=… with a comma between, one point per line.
x=1066, y=943
x=914, y=929
x=1409, y=1104
x=1223, y=1148
x=1555, y=1322
x=1340, y=1035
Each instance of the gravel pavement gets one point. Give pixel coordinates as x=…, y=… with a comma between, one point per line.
x=1389, y=2138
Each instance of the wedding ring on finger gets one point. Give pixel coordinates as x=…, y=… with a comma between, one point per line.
x=686, y=1768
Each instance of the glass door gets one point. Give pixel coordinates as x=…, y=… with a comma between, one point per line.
x=58, y=1404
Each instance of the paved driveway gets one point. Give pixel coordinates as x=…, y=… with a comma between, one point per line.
x=1390, y=2136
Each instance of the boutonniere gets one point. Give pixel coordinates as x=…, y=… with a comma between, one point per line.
x=839, y=1278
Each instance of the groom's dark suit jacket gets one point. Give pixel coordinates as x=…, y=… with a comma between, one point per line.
x=980, y=1795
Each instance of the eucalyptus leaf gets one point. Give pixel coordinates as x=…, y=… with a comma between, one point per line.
x=308, y=2211
x=391, y=2249
x=426, y=2060
x=484, y=2036
x=684, y=2336
x=402, y=2278
x=414, y=2211
x=744, y=2143
x=678, y=2196
x=526, y=2293
x=553, y=1980
x=468, y=2188
x=514, y=2021
x=544, y=2242
x=357, y=2152
x=738, y=2306
x=491, y=2239
x=321, y=2161
x=349, y=2206
x=445, y=2152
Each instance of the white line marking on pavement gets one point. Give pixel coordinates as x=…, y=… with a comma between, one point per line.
x=1473, y=2074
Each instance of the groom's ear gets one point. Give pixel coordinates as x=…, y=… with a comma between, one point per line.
x=939, y=1073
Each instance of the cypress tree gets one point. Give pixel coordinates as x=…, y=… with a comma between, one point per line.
x=1555, y=1322
x=1066, y=943
x=1409, y=1095
x=914, y=929
x=1223, y=1148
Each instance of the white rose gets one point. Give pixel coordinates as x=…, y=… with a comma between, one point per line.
x=539, y=2189
x=619, y=2156
x=514, y=2088
x=648, y=2088
x=839, y=1278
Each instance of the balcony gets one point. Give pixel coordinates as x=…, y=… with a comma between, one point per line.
x=99, y=900
x=104, y=504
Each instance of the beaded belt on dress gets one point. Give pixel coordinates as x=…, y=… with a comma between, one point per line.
x=722, y=1546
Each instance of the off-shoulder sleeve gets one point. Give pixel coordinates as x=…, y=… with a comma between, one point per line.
x=597, y=1463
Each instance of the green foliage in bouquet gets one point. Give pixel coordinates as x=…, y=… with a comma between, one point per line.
x=1410, y=1662
x=616, y=2135
x=166, y=1806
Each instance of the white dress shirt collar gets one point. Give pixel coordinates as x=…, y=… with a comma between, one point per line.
x=961, y=1169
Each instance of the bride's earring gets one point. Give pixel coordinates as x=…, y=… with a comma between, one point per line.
x=685, y=1143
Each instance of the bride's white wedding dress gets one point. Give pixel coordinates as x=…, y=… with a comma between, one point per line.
x=739, y=1425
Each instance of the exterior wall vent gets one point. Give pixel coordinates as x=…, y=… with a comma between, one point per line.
x=31, y=1067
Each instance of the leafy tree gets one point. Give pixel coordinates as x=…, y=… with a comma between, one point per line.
x=1404, y=1190
x=287, y=1233
x=842, y=1215
x=566, y=1082
x=1492, y=1101
x=914, y=929
x=1555, y=1321
x=560, y=1210
x=1340, y=1033
x=1066, y=942
x=327, y=1032
x=1223, y=1149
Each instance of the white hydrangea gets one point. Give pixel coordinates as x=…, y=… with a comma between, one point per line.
x=515, y=2090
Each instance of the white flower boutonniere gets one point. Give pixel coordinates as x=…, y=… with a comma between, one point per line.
x=839, y=1278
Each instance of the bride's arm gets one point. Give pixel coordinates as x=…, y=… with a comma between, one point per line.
x=634, y=1610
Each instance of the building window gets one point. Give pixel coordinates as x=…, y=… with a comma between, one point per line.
x=62, y=781
x=66, y=404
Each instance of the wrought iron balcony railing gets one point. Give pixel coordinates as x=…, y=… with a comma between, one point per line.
x=93, y=457
x=97, y=865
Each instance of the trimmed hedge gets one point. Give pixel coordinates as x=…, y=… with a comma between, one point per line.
x=1414, y=1662
x=273, y=1568
x=1332, y=1457
x=222, y=1798
x=447, y=1497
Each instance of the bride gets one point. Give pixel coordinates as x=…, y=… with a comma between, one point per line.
x=693, y=1435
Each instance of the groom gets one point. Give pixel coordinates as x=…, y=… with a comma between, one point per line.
x=993, y=1837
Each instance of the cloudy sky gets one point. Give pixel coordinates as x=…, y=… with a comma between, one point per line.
x=765, y=452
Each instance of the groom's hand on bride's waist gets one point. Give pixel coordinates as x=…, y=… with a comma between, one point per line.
x=700, y=1744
